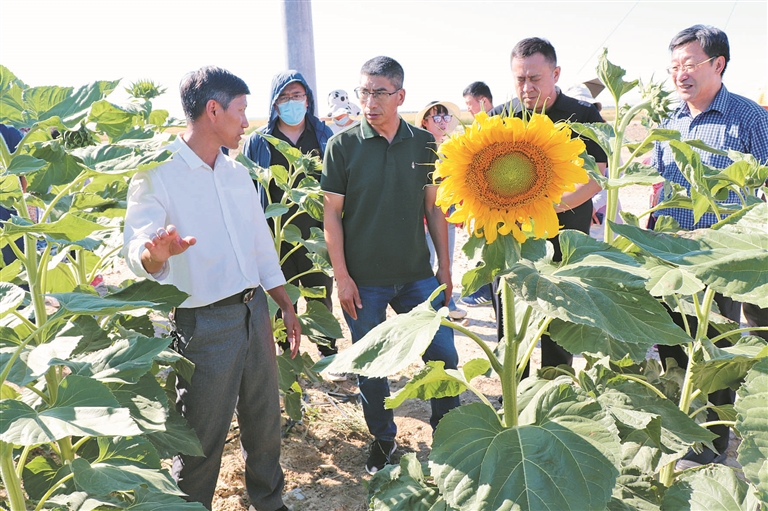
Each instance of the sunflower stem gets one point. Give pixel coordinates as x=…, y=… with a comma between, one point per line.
x=509, y=378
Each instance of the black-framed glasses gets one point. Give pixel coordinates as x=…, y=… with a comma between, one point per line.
x=442, y=118
x=687, y=68
x=364, y=94
x=299, y=96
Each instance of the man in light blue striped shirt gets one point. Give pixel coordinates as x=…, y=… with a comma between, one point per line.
x=722, y=120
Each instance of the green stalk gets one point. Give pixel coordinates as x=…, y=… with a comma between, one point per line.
x=645, y=384
x=529, y=352
x=495, y=364
x=65, y=449
x=11, y=480
x=509, y=380
x=53, y=489
x=686, y=391
x=23, y=459
x=730, y=424
x=614, y=165
x=63, y=193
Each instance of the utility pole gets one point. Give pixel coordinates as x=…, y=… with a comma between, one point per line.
x=300, y=40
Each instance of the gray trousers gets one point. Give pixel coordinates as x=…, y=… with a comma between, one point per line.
x=235, y=371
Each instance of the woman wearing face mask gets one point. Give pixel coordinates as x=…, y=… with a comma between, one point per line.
x=291, y=120
x=441, y=118
x=339, y=111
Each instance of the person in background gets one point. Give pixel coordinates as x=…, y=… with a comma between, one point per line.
x=340, y=110
x=708, y=112
x=11, y=137
x=291, y=119
x=535, y=71
x=440, y=118
x=478, y=98
x=377, y=190
x=224, y=263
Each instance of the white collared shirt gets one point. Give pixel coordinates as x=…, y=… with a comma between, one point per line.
x=221, y=208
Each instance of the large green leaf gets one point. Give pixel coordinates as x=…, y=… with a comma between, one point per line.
x=404, y=487
x=34, y=361
x=582, y=338
x=752, y=423
x=612, y=77
x=10, y=298
x=83, y=407
x=164, y=297
x=62, y=167
x=25, y=164
x=391, y=346
x=84, y=303
x=436, y=381
x=40, y=474
x=497, y=257
x=601, y=133
x=639, y=491
x=480, y=465
x=111, y=119
x=178, y=437
x=636, y=407
x=636, y=174
x=69, y=227
x=711, y=487
x=154, y=501
x=668, y=279
x=604, y=296
x=317, y=320
x=733, y=260
x=125, y=361
x=123, y=465
x=146, y=401
x=125, y=157
x=726, y=367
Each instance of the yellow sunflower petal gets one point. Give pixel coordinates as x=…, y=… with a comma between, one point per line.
x=504, y=173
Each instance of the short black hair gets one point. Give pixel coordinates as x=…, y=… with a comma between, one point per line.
x=533, y=45
x=713, y=41
x=387, y=67
x=207, y=83
x=477, y=89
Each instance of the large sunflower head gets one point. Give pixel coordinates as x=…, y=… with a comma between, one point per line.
x=505, y=175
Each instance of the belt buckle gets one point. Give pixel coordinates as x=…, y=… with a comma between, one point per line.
x=247, y=297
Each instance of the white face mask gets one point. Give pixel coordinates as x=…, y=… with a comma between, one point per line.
x=342, y=121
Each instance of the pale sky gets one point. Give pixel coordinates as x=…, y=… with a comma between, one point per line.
x=442, y=45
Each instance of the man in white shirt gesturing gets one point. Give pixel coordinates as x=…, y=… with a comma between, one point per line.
x=225, y=262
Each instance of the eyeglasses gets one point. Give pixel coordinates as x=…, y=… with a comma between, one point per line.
x=442, y=118
x=378, y=95
x=687, y=67
x=293, y=97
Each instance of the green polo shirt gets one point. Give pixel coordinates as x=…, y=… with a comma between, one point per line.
x=383, y=186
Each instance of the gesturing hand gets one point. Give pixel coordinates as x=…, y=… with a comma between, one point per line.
x=162, y=246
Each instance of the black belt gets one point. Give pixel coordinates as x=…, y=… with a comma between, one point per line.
x=244, y=296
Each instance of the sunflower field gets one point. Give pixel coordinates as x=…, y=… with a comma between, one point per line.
x=607, y=437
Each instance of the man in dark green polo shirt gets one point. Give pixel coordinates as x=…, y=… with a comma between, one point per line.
x=376, y=180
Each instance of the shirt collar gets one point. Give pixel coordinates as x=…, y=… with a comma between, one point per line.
x=193, y=161
x=719, y=104
x=403, y=130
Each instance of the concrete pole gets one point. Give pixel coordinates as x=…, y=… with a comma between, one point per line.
x=300, y=40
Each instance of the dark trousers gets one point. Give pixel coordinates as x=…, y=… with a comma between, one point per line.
x=296, y=264
x=731, y=310
x=756, y=316
x=235, y=371
x=552, y=354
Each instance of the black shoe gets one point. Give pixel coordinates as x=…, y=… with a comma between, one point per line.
x=379, y=455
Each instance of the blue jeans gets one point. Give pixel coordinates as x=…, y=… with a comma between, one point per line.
x=402, y=298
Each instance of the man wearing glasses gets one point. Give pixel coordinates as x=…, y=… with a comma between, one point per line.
x=378, y=189
x=292, y=120
x=723, y=120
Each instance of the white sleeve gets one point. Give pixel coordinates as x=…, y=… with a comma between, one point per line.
x=145, y=214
